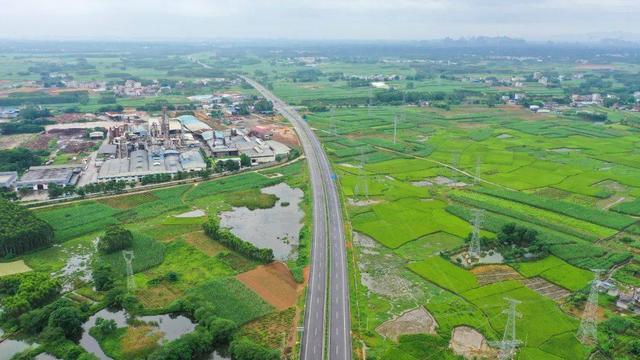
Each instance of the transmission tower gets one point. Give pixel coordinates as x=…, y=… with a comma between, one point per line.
x=588, y=330
x=369, y=101
x=395, y=127
x=476, y=179
x=474, y=245
x=334, y=128
x=362, y=186
x=128, y=259
x=507, y=347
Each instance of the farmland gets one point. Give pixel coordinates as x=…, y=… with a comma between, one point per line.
x=411, y=177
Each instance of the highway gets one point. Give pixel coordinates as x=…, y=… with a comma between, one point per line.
x=327, y=323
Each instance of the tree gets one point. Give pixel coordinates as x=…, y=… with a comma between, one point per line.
x=115, y=238
x=69, y=319
x=55, y=190
x=245, y=349
x=20, y=230
x=263, y=106
x=105, y=327
x=102, y=276
x=231, y=165
x=245, y=160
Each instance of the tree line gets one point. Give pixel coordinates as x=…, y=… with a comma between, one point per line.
x=213, y=230
x=21, y=230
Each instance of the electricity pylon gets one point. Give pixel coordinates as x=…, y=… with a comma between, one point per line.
x=362, y=185
x=509, y=343
x=369, y=101
x=395, y=127
x=334, y=128
x=588, y=330
x=476, y=179
x=474, y=244
x=128, y=259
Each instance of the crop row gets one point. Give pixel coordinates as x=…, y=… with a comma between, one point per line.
x=600, y=217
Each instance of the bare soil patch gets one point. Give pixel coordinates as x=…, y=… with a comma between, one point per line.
x=416, y=321
x=489, y=274
x=13, y=141
x=545, y=288
x=274, y=283
x=470, y=344
x=202, y=242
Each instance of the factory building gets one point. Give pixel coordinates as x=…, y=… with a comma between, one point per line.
x=234, y=143
x=39, y=177
x=157, y=160
x=8, y=179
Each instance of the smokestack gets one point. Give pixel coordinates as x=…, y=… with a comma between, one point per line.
x=165, y=124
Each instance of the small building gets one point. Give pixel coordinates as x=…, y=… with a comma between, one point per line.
x=8, y=179
x=39, y=177
x=278, y=148
x=107, y=151
x=9, y=113
x=96, y=135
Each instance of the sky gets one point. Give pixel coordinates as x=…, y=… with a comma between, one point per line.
x=317, y=19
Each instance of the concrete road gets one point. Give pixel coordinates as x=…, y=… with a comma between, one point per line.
x=327, y=323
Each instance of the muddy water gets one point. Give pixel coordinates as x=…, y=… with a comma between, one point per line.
x=172, y=327
x=88, y=342
x=276, y=228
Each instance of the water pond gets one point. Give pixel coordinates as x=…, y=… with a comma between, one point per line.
x=276, y=228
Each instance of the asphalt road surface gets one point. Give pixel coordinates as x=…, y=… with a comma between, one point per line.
x=327, y=321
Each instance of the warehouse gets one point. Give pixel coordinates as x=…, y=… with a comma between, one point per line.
x=8, y=179
x=39, y=177
x=155, y=161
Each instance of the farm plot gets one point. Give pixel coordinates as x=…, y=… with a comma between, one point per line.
x=274, y=283
x=231, y=300
x=556, y=271
x=147, y=253
x=489, y=274
x=535, y=215
x=78, y=219
x=445, y=274
x=603, y=218
x=537, y=311
x=429, y=245
x=545, y=288
x=398, y=222
x=14, y=267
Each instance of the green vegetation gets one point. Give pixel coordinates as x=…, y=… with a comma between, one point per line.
x=20, y=230
x=556, y=271
x=443, y=273
x=230, y=300
x=115, y=238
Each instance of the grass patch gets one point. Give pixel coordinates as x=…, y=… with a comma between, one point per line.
x=129, y=201
x=252, y=199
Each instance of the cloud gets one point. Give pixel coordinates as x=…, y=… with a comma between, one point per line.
x=366, y=19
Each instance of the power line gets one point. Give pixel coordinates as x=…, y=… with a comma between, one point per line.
x=474, y=244
x=128, y=259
